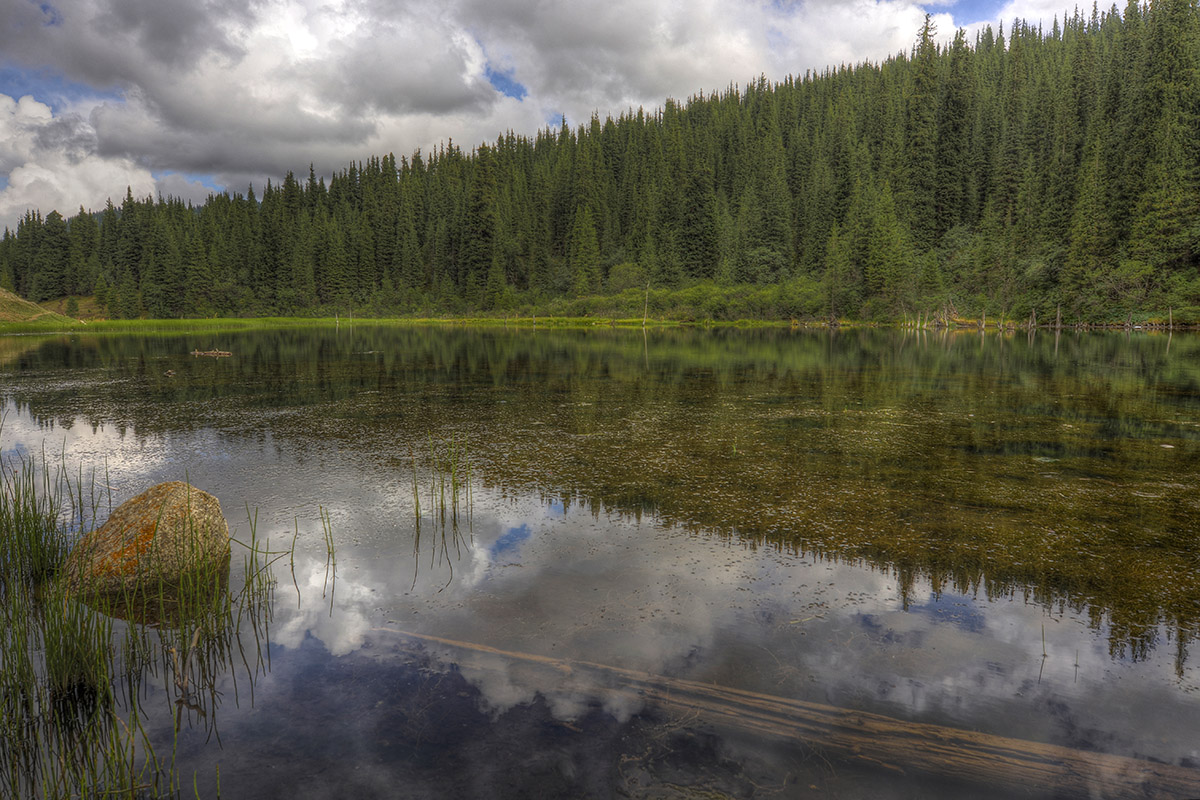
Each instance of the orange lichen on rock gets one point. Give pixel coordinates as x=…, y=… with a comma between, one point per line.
x=125, y=561
x=167, y=531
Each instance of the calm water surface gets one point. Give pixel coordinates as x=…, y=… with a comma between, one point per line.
x=991, y=534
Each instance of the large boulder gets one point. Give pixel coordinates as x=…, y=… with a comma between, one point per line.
x=170, y=536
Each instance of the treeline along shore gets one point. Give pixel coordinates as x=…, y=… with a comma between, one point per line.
x=1046, y=175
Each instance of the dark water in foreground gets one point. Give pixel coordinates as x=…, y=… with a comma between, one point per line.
x=988, y=534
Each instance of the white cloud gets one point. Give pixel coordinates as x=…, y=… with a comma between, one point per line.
x=1045, y=11
x=50, y=165
x=614, y=54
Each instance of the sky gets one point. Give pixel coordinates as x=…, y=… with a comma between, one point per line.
x=184, y=97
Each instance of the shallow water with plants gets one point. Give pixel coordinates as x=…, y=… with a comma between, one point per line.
x=661, y=563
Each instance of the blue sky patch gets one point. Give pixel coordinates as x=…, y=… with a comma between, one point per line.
x=504, y=83
x=554, y=122
x=205, y=180
x=511, y=540
x=966, y=12
x=47, y=87
x=958, y=610
x=53, y=17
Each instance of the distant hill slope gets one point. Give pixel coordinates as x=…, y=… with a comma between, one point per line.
x=14, y=309
x=86, y=308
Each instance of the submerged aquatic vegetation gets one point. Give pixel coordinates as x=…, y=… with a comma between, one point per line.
x=1000, y=464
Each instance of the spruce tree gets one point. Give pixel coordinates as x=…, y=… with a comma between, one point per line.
x=921, y=138
x=583, y=262
x=51, y=259
x=479, y=229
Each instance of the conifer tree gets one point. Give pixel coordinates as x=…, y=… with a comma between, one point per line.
x=479, y=229
x=921, y=135
x=50, y=262
x=843, y=279
x=888, y=267
x=953, y=197
x=198, y=279
x=584, y=259
x=82, y=260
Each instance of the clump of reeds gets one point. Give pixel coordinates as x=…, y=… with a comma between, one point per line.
x=450, y=495
x=71, y=672
x=330, y=556
x=33, y=544
x=58, y=711
x=449, y=475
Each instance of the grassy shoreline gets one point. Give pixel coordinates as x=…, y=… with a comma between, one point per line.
x=798, y=303
x=257, y=323
x=236, y=324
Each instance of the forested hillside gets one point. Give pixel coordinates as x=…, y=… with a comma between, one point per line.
x=1029, y=169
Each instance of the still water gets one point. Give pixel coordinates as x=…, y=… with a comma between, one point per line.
x=621, y=563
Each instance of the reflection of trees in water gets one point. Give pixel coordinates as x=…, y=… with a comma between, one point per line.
x=984, y=463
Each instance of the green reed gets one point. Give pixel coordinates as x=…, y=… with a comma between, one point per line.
x=446, y=481
x=57, y=702
x=34, y=544
x=73, y=667
x=449, y=475
x=330, y=586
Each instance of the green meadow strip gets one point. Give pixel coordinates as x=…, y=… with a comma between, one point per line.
x=159, y=326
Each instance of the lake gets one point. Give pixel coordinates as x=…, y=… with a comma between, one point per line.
x=671, y=562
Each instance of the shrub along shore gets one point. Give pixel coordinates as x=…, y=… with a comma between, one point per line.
x=703, y=305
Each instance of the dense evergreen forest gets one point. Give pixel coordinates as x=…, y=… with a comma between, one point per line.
x=1027, y=171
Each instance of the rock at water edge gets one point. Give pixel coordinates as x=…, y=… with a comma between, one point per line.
x=158, y=538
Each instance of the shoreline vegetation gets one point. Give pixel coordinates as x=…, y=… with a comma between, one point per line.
x=234, y=324
x=703, y=306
